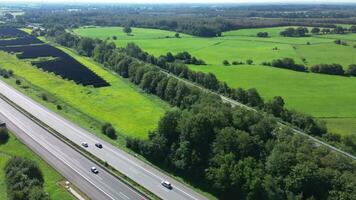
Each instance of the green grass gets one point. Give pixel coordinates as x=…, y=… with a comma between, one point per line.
x=319, y=95
x=51, y=178
x=343, y=126
x=132, y=112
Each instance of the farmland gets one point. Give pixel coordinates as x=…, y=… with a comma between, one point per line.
x=51, y=184
x=320, y=95
x=64, y=66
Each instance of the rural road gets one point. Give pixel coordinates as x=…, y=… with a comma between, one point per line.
x=71, y=164
x=142, y=173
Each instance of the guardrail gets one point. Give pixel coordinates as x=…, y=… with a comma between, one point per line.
x=129, y=182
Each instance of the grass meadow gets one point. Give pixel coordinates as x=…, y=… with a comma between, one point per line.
x=51, y=178
x=324, y=96
x=129, y=110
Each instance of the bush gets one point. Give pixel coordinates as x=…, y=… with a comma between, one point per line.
x=108, y=130
x=59, y=107
x=24, y=180
x=226, y=63
x=262, y=34
x=44, y=97
x=249, y=62
x=114, y=37
x=355, y=46
x=351, y=71
x=4, y=135
x=333, y=69
x=237, y=63
x=288, y=63
x=18, y=82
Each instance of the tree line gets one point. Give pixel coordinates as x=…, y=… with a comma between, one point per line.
x=303, y=31
x=332, y=69
x=231, y=152
x=241, y=154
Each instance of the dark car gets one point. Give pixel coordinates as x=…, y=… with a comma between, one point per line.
x=94, y=170
x=166, y=184
x=100, y=146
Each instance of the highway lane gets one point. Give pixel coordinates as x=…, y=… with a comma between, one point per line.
x=71, y=164
x=142, y=173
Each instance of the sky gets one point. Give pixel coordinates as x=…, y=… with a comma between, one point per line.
x=183, y=1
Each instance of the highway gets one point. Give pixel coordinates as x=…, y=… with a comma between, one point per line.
x=71, y=164
x=137, y=170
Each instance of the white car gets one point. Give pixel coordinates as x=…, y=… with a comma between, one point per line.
x=94, y=170
x=166, y=184
x=85, y=144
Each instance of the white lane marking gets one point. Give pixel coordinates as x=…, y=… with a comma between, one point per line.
x=64, y=161
x=124, y=195
x=79, y=131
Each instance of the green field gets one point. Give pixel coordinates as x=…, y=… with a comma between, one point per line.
x=131, y=111
x=316, y=94
x=51, y=185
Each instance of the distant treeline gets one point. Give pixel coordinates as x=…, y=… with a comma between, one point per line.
x=332, y=69
x=199, y=21
x=231, y=152
x=303, y=31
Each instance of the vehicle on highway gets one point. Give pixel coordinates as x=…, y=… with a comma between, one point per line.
x=85, y=144
x=100, y=146
x=94, y=170
x=166, y=184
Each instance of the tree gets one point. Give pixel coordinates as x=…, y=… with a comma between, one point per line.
x=315, y=30
x=226, y=63
x=114, y=37
x=353, y=29
x=351, y=71
x=177, y=35
x=127, y=29
x=249, y=61
x=275, y=106
x=4, y=135
x=262, y=34
x=108, y=130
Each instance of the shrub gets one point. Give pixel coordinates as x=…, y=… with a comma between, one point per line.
x=262, y=34
x=4, y=135
x=18, y=82
x=288, y=63
x=59, y=107
x=114, y=37
x=44, y=97
x=237, y=63
x=24, y=179
x=333, y=69
x=226, y=63
x=109, y=131
x=351, y=71
x=249, y=62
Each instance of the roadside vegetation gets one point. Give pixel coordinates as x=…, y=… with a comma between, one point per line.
x=13, y=150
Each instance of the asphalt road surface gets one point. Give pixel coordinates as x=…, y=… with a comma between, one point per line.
x=71, y=164
x=142, y=173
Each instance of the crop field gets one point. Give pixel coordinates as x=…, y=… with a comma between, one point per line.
x=51, y=185
x=320, y=95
